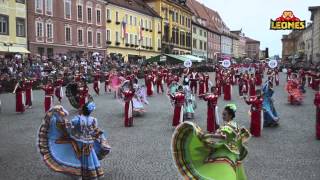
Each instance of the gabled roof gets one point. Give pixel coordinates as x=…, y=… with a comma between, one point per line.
x=249, y=40
x=135, y=5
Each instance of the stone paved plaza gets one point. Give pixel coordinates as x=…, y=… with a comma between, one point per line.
x=289, y=152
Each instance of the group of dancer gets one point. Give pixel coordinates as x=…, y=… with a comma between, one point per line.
x=222, y=144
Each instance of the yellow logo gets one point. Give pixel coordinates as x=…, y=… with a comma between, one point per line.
x=287, y=21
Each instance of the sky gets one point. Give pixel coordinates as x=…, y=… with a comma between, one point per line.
x=253, y=16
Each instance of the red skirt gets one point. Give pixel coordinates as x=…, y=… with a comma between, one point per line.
x=252, y=91
x=128, y=118
x=29, y=97
x=20, y=102
x=211, y=119
x=177, y=115
x=48, y=102
x=318, y=124
x=227, y=92
x=255, y=126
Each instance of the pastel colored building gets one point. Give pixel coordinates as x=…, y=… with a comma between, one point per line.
x=13, y=27
x=133, y=30
x=176, y=25
x=71, y=27
x=199, y=38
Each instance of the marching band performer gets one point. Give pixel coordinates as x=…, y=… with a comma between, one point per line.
x=270, y=114
x=96, y=82
x=227, y=87
x=252, y=85
x=194, y=78
x=149, y=84
x=256, y=124
x=29, y=94
x=212, y=113
x=179, y=99
x=206, y=80
x=49, y=91
x=202, y=84
x=276, y=76
x=317, y=104
x=19, y=92
x=258, y=76
x=128, y=107
x=159, y=82
x=83, y=93
x=58, y=87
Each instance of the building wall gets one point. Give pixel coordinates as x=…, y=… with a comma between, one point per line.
x=134, y=30
x=58, y=44
x=163, y=8
x=226, y=45
x=214, y=46
x=199, y=37
x=235, y=48
x=307, y=38
x=253, y=50
x=316, y=36
x=13, y=10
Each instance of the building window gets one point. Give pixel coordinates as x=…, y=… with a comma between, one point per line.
x=39, y=33
x=109, y=15
x=89, y=38
x=126, y=19
x=141, y=23
x=67, y=9
x=194, y=30
x=49, y=7
x=117, y=16
x=159, y=43
x=177, y=17
x=80, y=12
x=159, y=27
x=131, y=38
x=89, y=14
x=4, y=24
x=98, y=39
x=38, y=6
x=131, y=20
x=49, y=32
x=205, y=34
x=98, y=16
x=68, y=34
x=205, y=46
x=20, y=27
x=200, y=32
x=136, y=39
x=146, y=24
x=80, y=36
x=108, y=35
x=20, y=1
x=194, y=43
x=117, y=37
x=135, y=21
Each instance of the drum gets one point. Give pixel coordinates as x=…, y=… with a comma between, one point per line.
x=72, y=93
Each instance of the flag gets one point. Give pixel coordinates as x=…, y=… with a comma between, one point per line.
x=124, y=30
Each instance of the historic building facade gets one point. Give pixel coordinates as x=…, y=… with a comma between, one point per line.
x=252, y=48
x=71, y=27
x=315, y=17
x=176, y=25
x=133, y=30
x=241, y=44
x=199, y=38
x=13, y=27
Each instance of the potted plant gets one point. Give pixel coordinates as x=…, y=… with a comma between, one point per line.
x=117, y=23
x=108, y=42
x=127, y=44
x=109, y=21
x=117, y=43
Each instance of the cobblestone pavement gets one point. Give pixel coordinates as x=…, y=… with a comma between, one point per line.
x=289, y=152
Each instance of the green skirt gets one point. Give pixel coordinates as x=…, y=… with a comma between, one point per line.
x=191, y=156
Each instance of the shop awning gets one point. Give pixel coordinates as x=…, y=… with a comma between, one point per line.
x=14, y=49
x=3, y=49
x=172, y=58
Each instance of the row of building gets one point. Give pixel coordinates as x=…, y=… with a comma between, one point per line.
x=131, y=29
x=304, y=45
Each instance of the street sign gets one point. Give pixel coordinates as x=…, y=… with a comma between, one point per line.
x=187, y=63
x=273, y=64
x=163, y=58
x=226, y=63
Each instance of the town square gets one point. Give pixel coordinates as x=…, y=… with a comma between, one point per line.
x=159, y=89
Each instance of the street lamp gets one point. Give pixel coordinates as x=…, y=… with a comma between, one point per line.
x=8, y=44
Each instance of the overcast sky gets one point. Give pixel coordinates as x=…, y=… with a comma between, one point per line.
x=253, y=16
